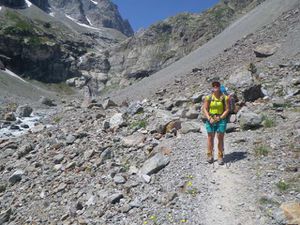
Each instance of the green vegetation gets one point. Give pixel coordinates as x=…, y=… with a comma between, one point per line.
x=62, y=88
x=56, y=119
x=252, y=68
x=268, y=122
x=267, y=201
x=20, y=25
x=220, y=15
x=282, y=185
x=261, y=151
x=139, y=124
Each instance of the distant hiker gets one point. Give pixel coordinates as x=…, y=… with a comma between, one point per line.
x=216, y=108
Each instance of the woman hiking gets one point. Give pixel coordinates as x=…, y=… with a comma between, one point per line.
x=216, y=109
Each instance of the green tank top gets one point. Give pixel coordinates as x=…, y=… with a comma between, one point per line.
x=216, y=104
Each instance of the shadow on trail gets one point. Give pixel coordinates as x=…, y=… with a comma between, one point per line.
x=234, y=156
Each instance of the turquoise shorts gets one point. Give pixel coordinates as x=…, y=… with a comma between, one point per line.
x=219, y=127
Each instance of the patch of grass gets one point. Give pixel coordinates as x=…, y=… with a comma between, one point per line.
x=282, y=185
x=61, y=88
x=268, y=122
x=57, y=119
x=138, y=124
x=267, y=201
x=252, y=68
x=261, y=151
x=20, y=25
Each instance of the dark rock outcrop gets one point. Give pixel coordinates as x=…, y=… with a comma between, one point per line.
x=42, y=4
x=13, y=3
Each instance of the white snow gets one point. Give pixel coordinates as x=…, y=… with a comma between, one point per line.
x=52, y=14
x=81, y=24
x=0, y=8
x=96, y=3
x=28, y=3
x=80, y=59
x=14, y=75
x=88, y=20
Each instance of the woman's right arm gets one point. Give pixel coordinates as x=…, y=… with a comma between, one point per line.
x=206, y=108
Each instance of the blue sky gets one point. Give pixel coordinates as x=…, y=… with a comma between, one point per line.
x=142, y=13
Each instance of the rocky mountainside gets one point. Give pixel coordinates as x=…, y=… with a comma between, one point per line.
x=38, y=46
x=97, y=13
x=167, y=41
x=143, y=162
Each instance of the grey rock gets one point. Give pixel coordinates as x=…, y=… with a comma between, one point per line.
x=248, y=120
x=155, y=164
x=197, y=98
x=10, y=116
x=106, y=154
x=134, y=108
x=192, y=114
x=24, y=111
x=118, y=179
x=70, y=139
x=116, y=120
x=115, y=198
x=16, y=177
x=46, y=101
x=279, y=217
x=187, y=127
x=58, y=158
x=37, y=128
x=133, y=140
x=108, y=103
x=2, y=187
x=180, y=101
x=241, y=78
x=24, y=150
x=5, y=215
x=252, y=93
x=265, y=50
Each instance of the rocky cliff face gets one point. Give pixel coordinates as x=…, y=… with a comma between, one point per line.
x=97, y=13
x=167, y=41
x=37, y=49
x=34, y=44
x=13, y=3
x=42, y=4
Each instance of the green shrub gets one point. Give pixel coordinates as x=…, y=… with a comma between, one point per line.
x=268, y=122
x=138, y=124
x=261, y=151
x=282, y=185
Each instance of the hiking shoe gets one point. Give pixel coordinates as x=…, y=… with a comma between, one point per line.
x=221, y=161
x=220, y=158
x=210, y=158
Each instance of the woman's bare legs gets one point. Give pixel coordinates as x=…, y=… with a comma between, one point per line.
x=210, y=147
x=220, y=137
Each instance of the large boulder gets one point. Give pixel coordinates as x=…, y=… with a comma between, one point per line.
x=155, y=164
x=241, y=78
x=187, y=127
x=116, y=120
x=248, y=119
x=252, y=93
x=133, y=140
x=24, y=111
x=265, y=50
x=160, y=120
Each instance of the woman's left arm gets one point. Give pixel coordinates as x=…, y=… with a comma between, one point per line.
x=226, y=111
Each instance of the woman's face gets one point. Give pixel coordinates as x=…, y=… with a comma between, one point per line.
x=216, y=88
